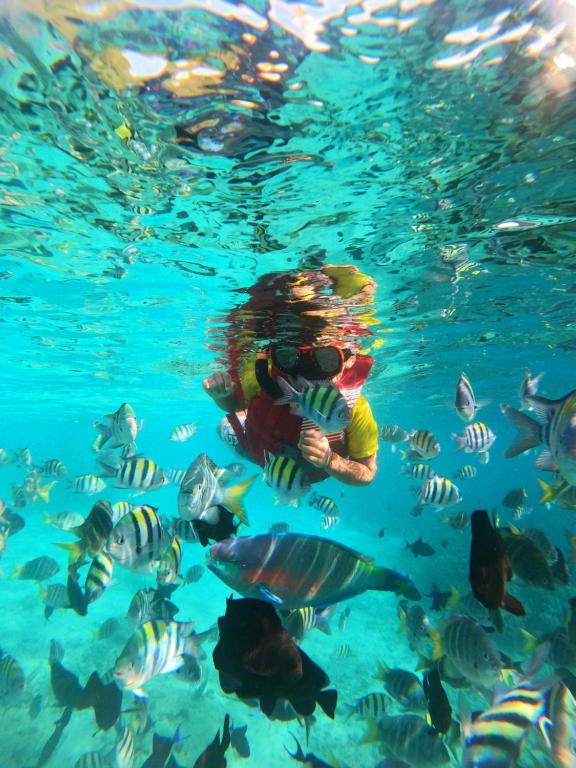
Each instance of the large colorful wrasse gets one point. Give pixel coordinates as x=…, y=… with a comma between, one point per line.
x=295, y=570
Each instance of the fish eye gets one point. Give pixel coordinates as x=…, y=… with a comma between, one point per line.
x=120, y=540
x=485, y=656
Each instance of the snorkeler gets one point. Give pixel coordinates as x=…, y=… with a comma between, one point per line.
x=261, y=423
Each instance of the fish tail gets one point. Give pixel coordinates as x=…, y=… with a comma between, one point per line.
x=327, y=701
x=44, y=491
x=551, y=493
x=289, y=394
x=529, y=431
x=372, y=735
x=382, y=672
x=454, y=599
x=75, y=550
x=17, y=571
x=460, y=441
x=387, y=580
x=530, y=642
x=109, y=462
x=437, y=650
x=232, y=498
x=513, y=606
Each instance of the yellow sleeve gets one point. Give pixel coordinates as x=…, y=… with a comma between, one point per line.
x=362, y=431
x=248, y=381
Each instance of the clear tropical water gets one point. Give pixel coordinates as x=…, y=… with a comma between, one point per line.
x=156, y=159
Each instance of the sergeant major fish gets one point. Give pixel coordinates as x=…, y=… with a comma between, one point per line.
x=287, y=478
x=322, y=404
x=183, y=432
x=470, y=651
x=424, y=443
x=138, y=539
x=439, y=492
x=477, y=438
x=137, y=472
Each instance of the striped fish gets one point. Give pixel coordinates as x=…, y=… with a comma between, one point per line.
x=141, y=474
x=184, y=432
x=18, y=497
x=286, y=477
x=372, y=705
x=88, y=484
x=557, y=432
x=424, y=443
x=184, y=530
x=393, y=433
x=418, y=471
x=12, y=680
x=107, y=629
x=495, y=738
x=119, y=431
x=90, y=760
x=483, y=458
x=459, y=520
x=404, y=686
x=323, y=404
x=169, y=567
x=440, y=492
x=562, y=730
x=156, y=648
x=477, y=438
x=92, y=533
x=175, y=476
x=99, y=577
x=409, y=738
x=324, y=504
x=54, y=596
x=343, y=651
x=38, y=569
x=54, y=468
x=124, y=752
x=470, y=650
x=294, y=570
x=120, y=509
x=147, y=605
x=329, y=521
x=467, y=472
x=301, y=620
x=138, y=539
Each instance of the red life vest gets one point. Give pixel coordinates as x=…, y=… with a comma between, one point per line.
x=276, y=429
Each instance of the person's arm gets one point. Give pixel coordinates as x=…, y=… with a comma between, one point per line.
x=315, y=448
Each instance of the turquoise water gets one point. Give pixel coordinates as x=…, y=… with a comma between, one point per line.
x=156, y=160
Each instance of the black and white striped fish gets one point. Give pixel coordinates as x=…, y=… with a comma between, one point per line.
x=138, y=540
x=124, y=753
x=373, y=705
x=477, y=438
x=424, y=443
x=169, y=567
x=322, y=404
x=137, y=472
x=467, y=472
x=418, y=471
x=440, y=492
x=99, y=577
x=184, y=432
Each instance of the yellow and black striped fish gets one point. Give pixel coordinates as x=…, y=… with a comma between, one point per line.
x=467, y=472
x=477, y=438
x=12, y=680
x=287, y=478
x=372, y=705
x=99, y=577
x=138, y=540
x=169, y=567
x=418, y=471
x=92, y=533
x=90, y=760
x=300, y=621
x=424, y=443
x=323, y=404
x=125, y=749
x=440, y=492
x=324, y=504
x=54, y=468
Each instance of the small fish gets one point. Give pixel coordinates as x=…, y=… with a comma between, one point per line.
x=120, y=509
x=465, y=402
x=279, y=528
x=415, y=623
x=286, y=477
x=424, y=443
x=54, y=468
x=88, y=484
x=18, y=497
x=12, y=680
x=148, y=605
x=467, y=472
x=372, y=705
x=300, y=621
x=420, y=548
x=124, y=750
x=515, y=498
x=39, y=569
x=184, y=432
x=439, y=598
x=392, y=433
x=11, y=523
x=322, y=404
x=201, y=490
x=50, y=746
x=156, y=648
x=65, y=521
x=477, y=438
x=107, y=629
x=92, y=533
x=169, y=567
x=324, y=504
x=239, y=741
x=439, y=492
x=99, y=577
x=213, y=755
x=527, y=560
x=329, y=521
x=54, y=596
x=193, y=574
x=470, y=650
x=136, y=472
x=161, y=749
x=343, y=651
x=184, y=529
x=23, y=457
x=418, y=471
x=90, y=760
x=528, y=389
x=403, y=686
x=459, y=520
x=439, y=707
x=4, y=458
x=483, y=458
x=35, y=706
x=310, y=760
x=119, y=431
x=138, y=539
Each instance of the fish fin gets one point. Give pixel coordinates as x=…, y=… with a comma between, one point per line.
x=327, y=701
x=437, y=650
x=44, y=491
x=460, y=441
x=232, y=498
x=289, y=393
x=267, y=595
x=530, y=642
x=16, y=573
x=75, y=550
x=551, y=493
x=299, y=754
x=513, y=606
x=454, y=599
x=482, y=403
x=383, y=670
x=544, y=725
x=372, y=735
x=546, y=462
x=529, y=431
x=322, y=621
x=140, y=693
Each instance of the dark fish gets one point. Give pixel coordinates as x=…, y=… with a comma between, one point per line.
x=224, y=528
x=257, y=659
x=39, y=569
x=439, y=598
x=420, y=548
x=271, y=567
x=214, y=754
x=52, y=743
x=279, y=528
x=560, y=569
x=515, y=498
x=93, y=532
x=381, y=533
x=15, y=521
x=35, y=706
x=310, y=760
x=527, y=560
x=489, y=566
x=75, y=594
x=161, y=749
x=239, y=741
x=193, y=574
x=439, y=707
x=65, y=685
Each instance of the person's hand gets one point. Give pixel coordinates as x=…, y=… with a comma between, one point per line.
x=315, y=448
x=219, y=385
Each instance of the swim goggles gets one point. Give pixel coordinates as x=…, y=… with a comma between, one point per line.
x=308, y=361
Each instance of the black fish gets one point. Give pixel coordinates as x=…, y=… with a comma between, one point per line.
x=560, y=569
x=75, y=593
x=52, y=743
x=257, y=659
x=420, y=548
x=439, y=707
x=214, y=754
x=239, y=741
x=161, y=749
x=489, y=566
x=310, y=760
x=15, y=522
x=35, y=706
x=439, y=599
x=225, y=528
x=106, y=700
x=65, y=686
